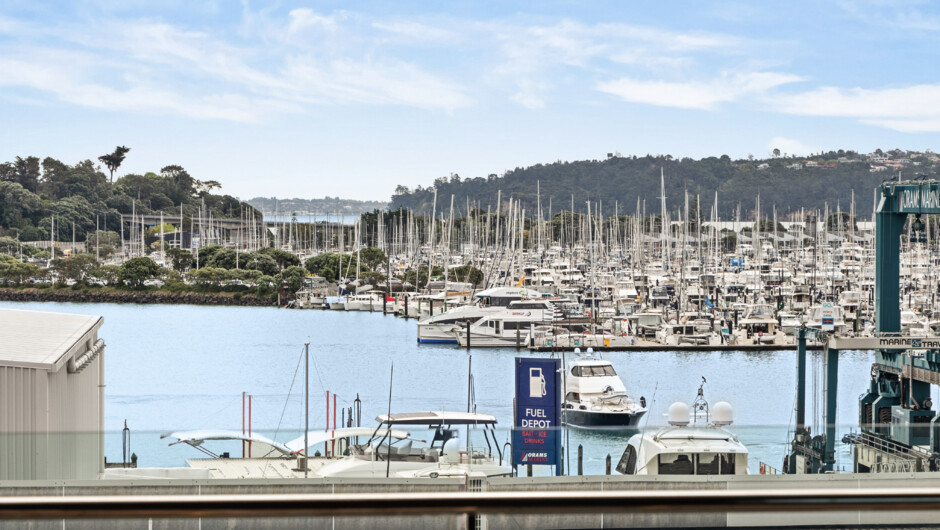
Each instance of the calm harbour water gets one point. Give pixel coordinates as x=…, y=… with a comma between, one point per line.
x=172, y=367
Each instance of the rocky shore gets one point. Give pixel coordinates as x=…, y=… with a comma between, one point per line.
x=131, y=297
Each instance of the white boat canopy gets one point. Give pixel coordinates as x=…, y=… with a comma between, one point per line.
x=437, y=418
x=196, y=438
x=318, y=437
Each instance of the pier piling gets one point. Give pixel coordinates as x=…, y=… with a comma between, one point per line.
x=580, y=460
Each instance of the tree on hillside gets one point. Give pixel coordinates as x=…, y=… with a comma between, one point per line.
x=114, y=160
x=776, y=153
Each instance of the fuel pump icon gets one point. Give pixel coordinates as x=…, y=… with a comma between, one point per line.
x=536, y=383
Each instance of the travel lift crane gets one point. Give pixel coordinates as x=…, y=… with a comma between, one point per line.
x=899, y=429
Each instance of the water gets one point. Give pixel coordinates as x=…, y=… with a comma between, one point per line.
x=171, y=367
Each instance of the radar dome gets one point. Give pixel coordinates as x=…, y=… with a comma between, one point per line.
x=722, y=413
x=577, y=350
x=678, y=414
x=590, y=350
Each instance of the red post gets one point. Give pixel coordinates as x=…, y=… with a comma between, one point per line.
x=326, y=445
x=334, y=423
x=249, y=425
x=243, y=424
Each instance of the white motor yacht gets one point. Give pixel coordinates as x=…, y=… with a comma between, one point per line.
x=384, y=456
x=441, y=328
x=511, y=326
x=695, y=443
x=758, y=326
x=595, y=396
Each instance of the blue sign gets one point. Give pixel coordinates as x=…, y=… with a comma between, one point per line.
x=536, y=437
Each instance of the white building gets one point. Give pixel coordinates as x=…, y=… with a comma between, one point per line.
x=51, y=396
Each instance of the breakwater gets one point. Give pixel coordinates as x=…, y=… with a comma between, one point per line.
x=133, y=297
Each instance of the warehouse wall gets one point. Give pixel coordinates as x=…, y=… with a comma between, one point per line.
x=52, y=422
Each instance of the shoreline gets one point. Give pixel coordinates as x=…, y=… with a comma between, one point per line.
x=116, y=296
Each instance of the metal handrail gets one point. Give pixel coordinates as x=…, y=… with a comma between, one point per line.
x=461, y=503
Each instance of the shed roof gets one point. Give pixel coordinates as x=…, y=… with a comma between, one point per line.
x=36, y=339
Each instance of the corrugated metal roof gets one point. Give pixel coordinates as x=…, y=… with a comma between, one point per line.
x=36, y=339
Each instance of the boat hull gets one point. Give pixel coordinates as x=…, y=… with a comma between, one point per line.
x=590, y=419
x=436, y=334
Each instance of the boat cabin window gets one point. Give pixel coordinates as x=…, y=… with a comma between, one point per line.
x=627, y=464
x=573, y=397
x=592, y=371
x=528, y=305
x=696, y=464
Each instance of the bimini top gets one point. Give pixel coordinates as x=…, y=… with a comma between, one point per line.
x=437, y=418
x=196, y=438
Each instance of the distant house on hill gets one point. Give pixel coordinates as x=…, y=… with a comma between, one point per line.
x=796, y=165
x=763, y=166
x=811, y=163
x=875, y=169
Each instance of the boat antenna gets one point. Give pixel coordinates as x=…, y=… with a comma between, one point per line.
x=700, y=403
x=388, y=454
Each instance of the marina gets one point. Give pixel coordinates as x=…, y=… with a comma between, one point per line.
x=209, y=355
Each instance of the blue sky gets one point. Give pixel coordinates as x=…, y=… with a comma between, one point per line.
x=354, y=98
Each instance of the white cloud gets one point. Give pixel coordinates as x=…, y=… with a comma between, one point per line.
x=790, y=146
x=348, y=81
x=704, y=95
x=412, y=31
x=908, y=109
x=303, y=18
x=155, y=67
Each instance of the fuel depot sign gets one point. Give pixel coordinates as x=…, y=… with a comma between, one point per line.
x=536, y=434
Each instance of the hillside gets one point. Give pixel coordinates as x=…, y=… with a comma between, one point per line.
x=325, y=206
x=787, y=183
x=83, y=199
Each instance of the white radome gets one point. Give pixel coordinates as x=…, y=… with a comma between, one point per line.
x=722, y=413
x=678, y=414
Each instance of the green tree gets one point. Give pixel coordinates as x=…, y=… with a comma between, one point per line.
x=291, y=279
x=209, y=275
x=16, y=271
x=328, y=265
x=74, y=267
x=283, y=258
x=467, y=273
x=263, y=263
x=106, y=274
x=224, y=258
x=114, y=160
x=180, y=259
x=17, y=204
x=372, y=257
x=206, y=253
x=135, y=271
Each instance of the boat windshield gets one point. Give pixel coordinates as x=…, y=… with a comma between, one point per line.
x=593, y=371
x=760, y=311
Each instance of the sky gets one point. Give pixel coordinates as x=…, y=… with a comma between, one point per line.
x=351, y=99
